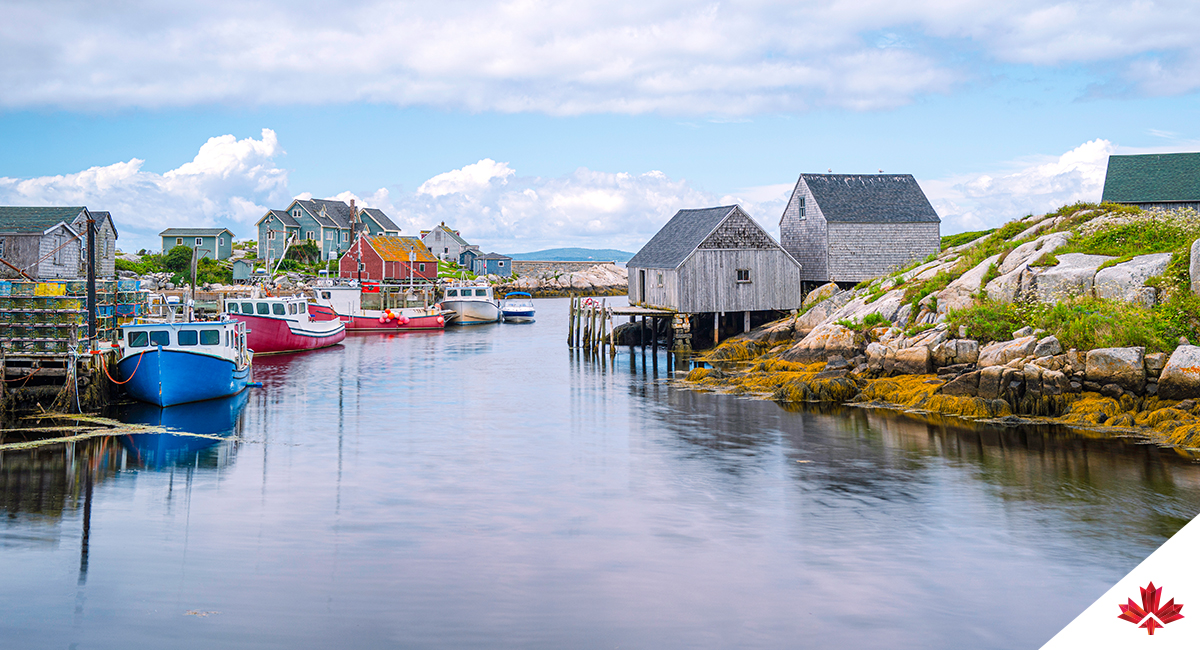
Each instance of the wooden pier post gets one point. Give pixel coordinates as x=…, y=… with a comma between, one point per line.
x=746, y=322
x=603, y=325
x=612, y=338
x=593, y=333
x=716, y=328
x=579, y=323
x=571, y=323
x=654, y=338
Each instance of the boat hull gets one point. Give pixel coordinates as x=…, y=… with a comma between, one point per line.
x=277, y=335
x=471, y=312
x=518, y=316
x=167, y=377
x=368, y=321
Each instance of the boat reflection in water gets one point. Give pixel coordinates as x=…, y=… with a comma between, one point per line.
x=202, y=425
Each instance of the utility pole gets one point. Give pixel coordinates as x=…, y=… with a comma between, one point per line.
x=91, y=280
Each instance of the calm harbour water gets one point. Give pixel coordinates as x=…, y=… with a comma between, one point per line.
x=486, y=488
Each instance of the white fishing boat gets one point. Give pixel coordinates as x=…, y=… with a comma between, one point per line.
x=517, y=307
x=472, y=304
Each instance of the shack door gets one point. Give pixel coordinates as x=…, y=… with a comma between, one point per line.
x=642, y=285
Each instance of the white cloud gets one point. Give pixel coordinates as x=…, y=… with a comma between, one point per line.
x=472, y=178
x=588, y=56
x=228, y=183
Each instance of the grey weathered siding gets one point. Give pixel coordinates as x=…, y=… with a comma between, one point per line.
x=806, y=239
x=708, y=281
x=59, y=253
x=20, y=250
x=106, y=251
x=859, y=251
x=664, y=295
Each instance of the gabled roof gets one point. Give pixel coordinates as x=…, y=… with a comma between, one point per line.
x=493, y=256
x=314, y=210
x=400, y=249
x=282, y=215
x=870, y=198
x=36, y=219
x=336, y=211
x=453, y=234
x=99, y=216
x=381, y=219
x=195, y=232
x=1153, y=178
x=683, y=233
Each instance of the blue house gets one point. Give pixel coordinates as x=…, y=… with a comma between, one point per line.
x=467, y=258
x=494, y=264
x=327, y=224
x=217, y=242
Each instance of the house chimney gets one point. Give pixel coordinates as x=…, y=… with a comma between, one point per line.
x=351, y=206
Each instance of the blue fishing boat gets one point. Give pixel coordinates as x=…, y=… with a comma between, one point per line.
x=180, y=362
x=517, y=307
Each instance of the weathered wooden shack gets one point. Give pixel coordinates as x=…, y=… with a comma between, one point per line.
x=848, y=228
x=49, y=242
x=1156, y=180
x=714, y=261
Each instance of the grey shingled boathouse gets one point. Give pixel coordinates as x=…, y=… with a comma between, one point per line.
x=847, y=228
x=714, y=261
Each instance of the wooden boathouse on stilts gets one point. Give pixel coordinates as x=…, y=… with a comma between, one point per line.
x=714, y=272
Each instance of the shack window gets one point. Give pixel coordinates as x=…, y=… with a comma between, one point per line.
x=743, y=275
x=264, y=309
x=247, y=308
x=802, y=207
x=138, y=339
x=199, y=241
x=160, y=337
x=660, y=281
x=232, y=308
x=450, y=293
x=188, y=337
x=279, y=309
x=210, y=337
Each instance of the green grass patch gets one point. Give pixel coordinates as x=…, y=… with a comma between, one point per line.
x=950, y=241
x=869, y=322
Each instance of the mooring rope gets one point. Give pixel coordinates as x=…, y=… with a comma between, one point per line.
x=104, y=367
x=26, y=377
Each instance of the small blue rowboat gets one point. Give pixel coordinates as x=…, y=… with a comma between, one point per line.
x=176, y=363
x=517, y=307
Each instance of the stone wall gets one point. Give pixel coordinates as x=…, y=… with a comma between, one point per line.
x=530, y=267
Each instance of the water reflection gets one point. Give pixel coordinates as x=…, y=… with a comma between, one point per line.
x=201, y=427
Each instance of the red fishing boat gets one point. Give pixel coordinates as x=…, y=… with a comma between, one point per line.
x=277, y=325
x=343, y=302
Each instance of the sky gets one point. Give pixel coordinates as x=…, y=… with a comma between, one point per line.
x=529, y=125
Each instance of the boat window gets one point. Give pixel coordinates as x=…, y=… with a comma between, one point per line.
x=226, y=338
x=247, y=308
x=160, y=337
x=325, y=295
x=279, y=309
x=451, y=292
x=138, y=339
x=293, y=308
x=210, y=337
x=481, y=292
x=231, y=308
x=264, y=309
x=187, y=337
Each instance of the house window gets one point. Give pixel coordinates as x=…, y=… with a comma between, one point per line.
x=199, y=241
x=802, y=207
x=421, y=266
x=179, y=241
x=501, y=263
x=445, y=250
x=296, y=212
x=329, y=235
x=220, y=241
x=271, y=234
x=311, y=236
x=346, y=235
x=743, y=275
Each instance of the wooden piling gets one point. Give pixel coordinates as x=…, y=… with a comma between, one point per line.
x=612, y=340
x=592, y=329
x=571, y=323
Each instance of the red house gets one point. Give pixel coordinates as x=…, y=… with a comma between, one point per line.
x=388, y=259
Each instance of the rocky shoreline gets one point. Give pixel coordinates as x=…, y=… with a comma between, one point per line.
x=1117, y=391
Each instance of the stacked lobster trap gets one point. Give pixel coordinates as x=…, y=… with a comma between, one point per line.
x=49, y=319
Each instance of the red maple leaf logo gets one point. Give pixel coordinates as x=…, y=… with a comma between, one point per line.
x=1150, y=615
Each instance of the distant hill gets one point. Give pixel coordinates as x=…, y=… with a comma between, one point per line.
x=575, y=255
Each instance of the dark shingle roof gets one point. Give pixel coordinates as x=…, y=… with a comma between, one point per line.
x=100, y=216
x=1152, y=178
x=35, y=219
x=682, y=234
x=194, y=232
x=337, y=212
x=493, y=256
x=381, y=218
x=282, y=215
x=870, y=198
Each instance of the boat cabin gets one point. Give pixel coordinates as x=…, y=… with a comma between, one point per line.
x=290, y=308
x=471, y=292
x=216, y=338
